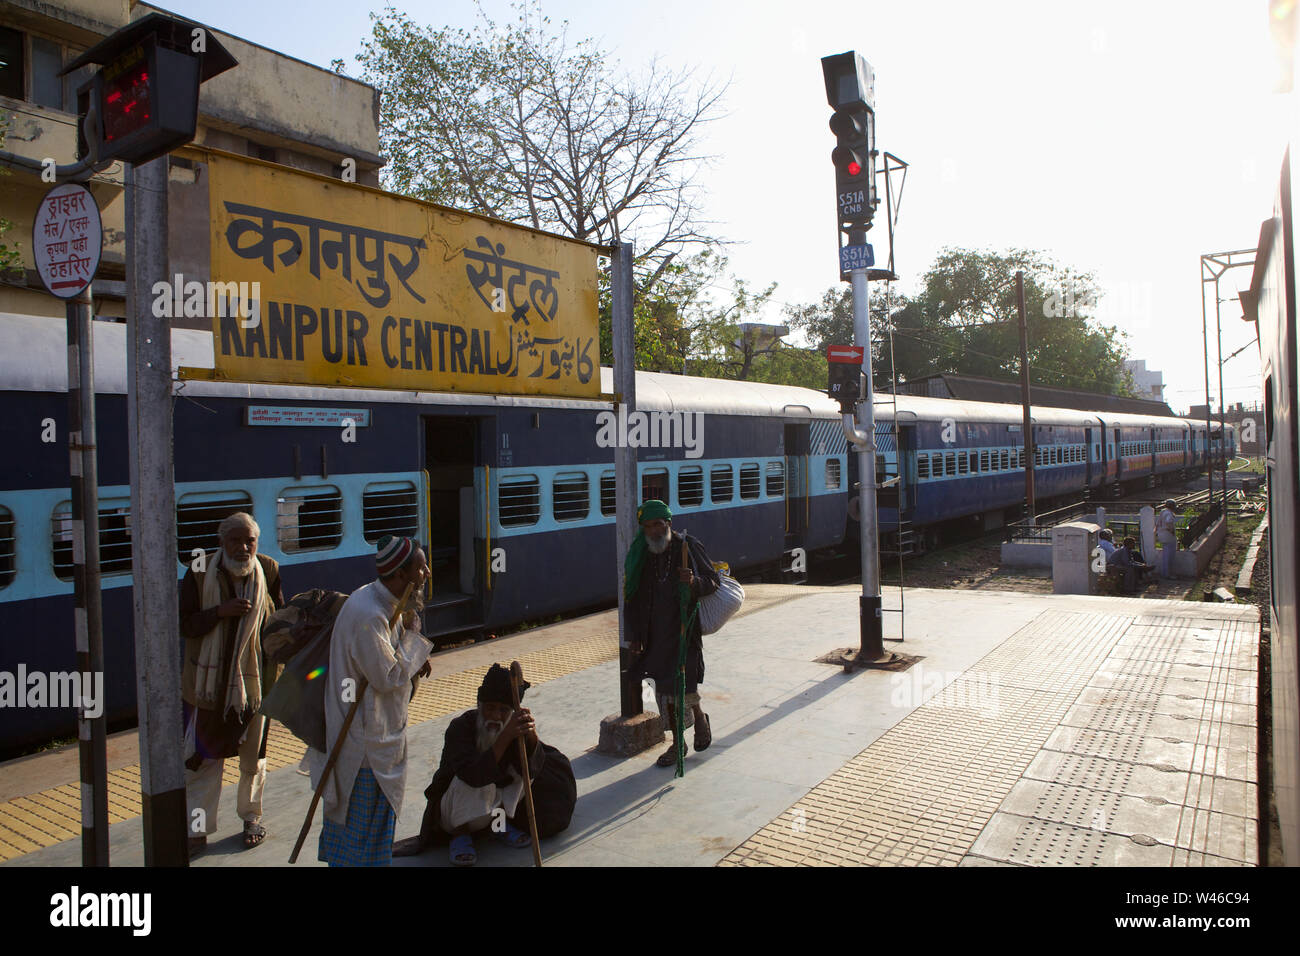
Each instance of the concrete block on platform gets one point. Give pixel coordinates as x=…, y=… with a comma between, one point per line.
x=626, y=736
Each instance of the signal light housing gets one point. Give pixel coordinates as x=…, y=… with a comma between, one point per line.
x=850, y=90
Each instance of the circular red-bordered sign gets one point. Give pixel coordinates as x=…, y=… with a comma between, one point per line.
x=67, y=239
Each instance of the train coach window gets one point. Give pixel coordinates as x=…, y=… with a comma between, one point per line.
x=776, y=479
x=984, y=461
x=963, y=463
x=654, y=484
x=518, y=500
x=569, y=497
x=721, y=487
x=390, y=507
x=608, y=501
x=309, y=519
x=750, y=485
x=7, y=567
x=950, y=463
x=922, y=469
x=1006, y=459
x=690, y=485
x=833, y=472
x=114, y=538
x=199, y=514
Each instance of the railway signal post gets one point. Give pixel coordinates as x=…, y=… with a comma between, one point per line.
x=850, y=91
x=141, y=104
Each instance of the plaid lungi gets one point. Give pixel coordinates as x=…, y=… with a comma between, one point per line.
x=367, y=837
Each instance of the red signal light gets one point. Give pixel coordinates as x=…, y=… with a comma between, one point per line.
x=854, y=169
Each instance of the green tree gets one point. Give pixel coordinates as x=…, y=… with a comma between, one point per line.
x=518, y=122
x=964, y=321
x=10, y=256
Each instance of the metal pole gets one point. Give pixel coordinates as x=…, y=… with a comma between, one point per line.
x=1223, y=429
x=84, y=471
x=1030, y=504
x=626, y=487
x=872, y=646
x=153, y=523
x=1209, y=425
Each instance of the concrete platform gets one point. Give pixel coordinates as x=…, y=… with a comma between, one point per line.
x=1035, y=730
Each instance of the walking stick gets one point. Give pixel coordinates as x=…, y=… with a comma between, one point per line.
x=516, y=678
x=343, y=735
x=680, y=703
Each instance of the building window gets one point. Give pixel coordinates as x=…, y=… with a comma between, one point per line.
x=309, y=519
x=608, y=496
x=518, y=500
x=721, y=486
x=833, y=473
x=569, y=498
x=12, y=64
x=690, y=486
x=390, y=507
x=199, y=514
x=749, y=482
x=114, y=538
x=30, y=67
x=775, y=479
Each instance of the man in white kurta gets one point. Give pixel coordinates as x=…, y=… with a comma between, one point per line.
x=1166, y=536
x=363, y=795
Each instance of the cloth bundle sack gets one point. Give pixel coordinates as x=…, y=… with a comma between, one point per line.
x=300, y=633
x=716, y=609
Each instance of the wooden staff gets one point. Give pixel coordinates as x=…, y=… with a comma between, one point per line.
x=517, y=678
x=343, y=735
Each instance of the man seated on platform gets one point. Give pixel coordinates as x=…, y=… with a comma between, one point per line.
x=1131, y=566
x=479, y=785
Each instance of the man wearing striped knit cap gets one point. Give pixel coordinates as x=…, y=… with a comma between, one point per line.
x=374, y=663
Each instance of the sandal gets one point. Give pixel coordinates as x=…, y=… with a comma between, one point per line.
x=668, y=758
x=514, y=837
x=462, y=851
x=254, y=834
x=703, y=734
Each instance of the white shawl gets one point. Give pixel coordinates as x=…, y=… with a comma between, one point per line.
x=243, y=683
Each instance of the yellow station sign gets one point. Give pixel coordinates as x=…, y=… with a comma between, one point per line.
x=356, y=287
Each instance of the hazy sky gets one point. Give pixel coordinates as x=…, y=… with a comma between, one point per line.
x=1123, y=138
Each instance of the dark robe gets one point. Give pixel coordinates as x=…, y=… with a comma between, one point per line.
x=555, y=791
x=216, y=735
x=654, y=616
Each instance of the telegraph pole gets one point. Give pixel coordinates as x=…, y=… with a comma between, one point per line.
x=850, y=91
x=1024, y=398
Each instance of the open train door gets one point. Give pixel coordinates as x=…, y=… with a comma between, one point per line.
x=455, y=602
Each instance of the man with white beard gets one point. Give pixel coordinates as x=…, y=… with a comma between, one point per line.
x=479, y=785
x=223, y=609
x=653, y=575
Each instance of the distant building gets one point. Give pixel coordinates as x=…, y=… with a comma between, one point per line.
x=973, y=388
x=1147, y=383
x=270, y=106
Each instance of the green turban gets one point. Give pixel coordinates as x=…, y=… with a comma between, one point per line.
x=653, y=510
x=649, y=511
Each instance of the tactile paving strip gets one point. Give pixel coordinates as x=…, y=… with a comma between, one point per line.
x=922, y=793
x=43, y=819
x=1147, y=769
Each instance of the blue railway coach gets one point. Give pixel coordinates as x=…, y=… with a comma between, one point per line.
x=513, y=496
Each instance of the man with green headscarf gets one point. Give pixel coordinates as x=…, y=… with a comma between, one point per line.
x=654, y=577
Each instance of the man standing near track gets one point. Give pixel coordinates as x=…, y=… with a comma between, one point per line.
x=1166, y=523
x=653, y=571
x=223, y=609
